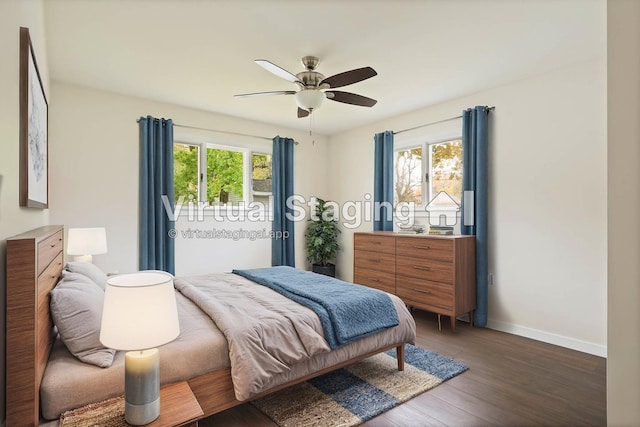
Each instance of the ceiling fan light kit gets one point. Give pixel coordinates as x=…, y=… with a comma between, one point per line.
x=313, y=85
x=309, y=99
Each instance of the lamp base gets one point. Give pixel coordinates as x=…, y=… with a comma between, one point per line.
x=139, y=415
x=141, y=386
x=83, y=258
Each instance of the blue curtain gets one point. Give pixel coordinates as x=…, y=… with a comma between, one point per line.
x=282, y=243
x=156, y=241
x=475, y=141
x=383, y=181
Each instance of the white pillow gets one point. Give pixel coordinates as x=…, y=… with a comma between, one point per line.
x=76, y=309
x=89, y=270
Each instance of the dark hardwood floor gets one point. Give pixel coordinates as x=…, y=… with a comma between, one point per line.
x=511, y=381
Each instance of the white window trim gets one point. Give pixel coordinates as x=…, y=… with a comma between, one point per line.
x=246, y=147
x=424, y=142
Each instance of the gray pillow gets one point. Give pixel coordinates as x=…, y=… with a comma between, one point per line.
x=89, y=270
x=76, y=309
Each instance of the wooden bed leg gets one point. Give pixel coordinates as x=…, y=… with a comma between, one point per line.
x=400, y=357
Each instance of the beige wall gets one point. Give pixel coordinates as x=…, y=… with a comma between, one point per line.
x=13, y=219
x=94, y=177
x=623, y=104
x=547, y=216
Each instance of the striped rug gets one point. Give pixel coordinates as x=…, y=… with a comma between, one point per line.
x=353, y=395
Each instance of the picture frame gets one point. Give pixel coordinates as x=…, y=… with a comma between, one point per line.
x=33, y=135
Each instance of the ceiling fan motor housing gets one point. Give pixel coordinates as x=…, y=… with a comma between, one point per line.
x=310, y=79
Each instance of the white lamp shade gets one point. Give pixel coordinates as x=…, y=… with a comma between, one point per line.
x=310, y=99
x=87, y=241
x=139, y=311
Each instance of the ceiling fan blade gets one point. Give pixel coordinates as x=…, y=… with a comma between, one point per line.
x=350, y=98
x=349, y=77
x=278, y=71
x=275, y=92
x=302, y=113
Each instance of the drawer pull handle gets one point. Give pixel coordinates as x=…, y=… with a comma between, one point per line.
x=422, y=291
x=373, y=279
x=421, y=267
x=53, y=245
x=421, y=247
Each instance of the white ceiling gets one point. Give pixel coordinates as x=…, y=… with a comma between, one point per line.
x=200, y=53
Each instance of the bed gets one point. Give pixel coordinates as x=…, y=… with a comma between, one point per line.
x=37, y=359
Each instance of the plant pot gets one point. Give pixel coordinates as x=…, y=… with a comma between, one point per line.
x=327, y=270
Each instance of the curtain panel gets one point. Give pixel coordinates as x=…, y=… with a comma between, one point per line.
x=383, y=181
x=156, y=247
x=282, y=242
x=475, y=141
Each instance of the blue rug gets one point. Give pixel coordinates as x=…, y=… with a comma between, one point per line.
x=353, y=395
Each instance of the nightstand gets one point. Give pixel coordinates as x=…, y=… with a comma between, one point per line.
x=178, y=407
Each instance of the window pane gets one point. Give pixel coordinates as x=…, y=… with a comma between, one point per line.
x=185, y=172
x=408, y=170
x=446, y=173
x=261, y=177
x=224, y=176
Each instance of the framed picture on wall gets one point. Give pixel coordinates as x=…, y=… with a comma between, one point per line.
x=34, y=146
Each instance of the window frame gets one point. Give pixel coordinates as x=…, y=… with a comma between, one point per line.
x=424, y=143
x=247, y=150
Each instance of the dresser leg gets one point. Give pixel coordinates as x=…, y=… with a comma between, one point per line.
x=471, y=317
x=439, y=323
x=453, y=323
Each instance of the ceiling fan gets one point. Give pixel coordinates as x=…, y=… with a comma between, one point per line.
x=313, y=86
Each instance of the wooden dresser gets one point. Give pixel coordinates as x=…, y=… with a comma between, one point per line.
x=433, y=273
x=34, y=264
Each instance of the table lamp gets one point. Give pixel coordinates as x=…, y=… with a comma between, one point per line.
x=85, y=242
x=139, y=314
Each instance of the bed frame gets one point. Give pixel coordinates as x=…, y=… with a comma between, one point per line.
x=34, y=265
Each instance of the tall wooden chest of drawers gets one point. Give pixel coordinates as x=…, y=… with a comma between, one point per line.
x=433, y=273
x=34, y=262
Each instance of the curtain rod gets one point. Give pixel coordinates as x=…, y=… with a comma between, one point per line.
x=224, y=131
x=435, y=123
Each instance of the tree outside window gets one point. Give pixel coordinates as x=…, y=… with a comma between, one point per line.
x=423, y=171
x=217, y=175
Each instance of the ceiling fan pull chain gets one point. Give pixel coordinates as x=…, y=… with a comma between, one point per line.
x=313, y=141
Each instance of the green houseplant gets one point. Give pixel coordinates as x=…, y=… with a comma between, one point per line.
x=322, y=239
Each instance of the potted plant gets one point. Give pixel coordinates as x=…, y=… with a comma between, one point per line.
x=322, y=239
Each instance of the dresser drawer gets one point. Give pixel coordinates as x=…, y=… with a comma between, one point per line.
x=368, y=242
x=423, y=247
x=427, y=269
x=374, y=261
x=383, y=280
x=48, y=249
x=421, y=292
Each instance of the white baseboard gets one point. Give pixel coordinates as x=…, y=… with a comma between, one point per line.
x=572, y=343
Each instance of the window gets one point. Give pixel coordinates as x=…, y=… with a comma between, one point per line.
x=220, y=176
x=261, y=177
x=186, y=172
x=423, y=172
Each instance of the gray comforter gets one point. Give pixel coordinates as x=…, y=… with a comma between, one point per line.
x=267, y=333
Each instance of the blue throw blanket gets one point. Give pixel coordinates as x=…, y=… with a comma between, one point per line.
x=347, y=311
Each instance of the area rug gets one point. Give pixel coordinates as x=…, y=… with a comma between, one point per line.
x=109, y=413
x=353, y=395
